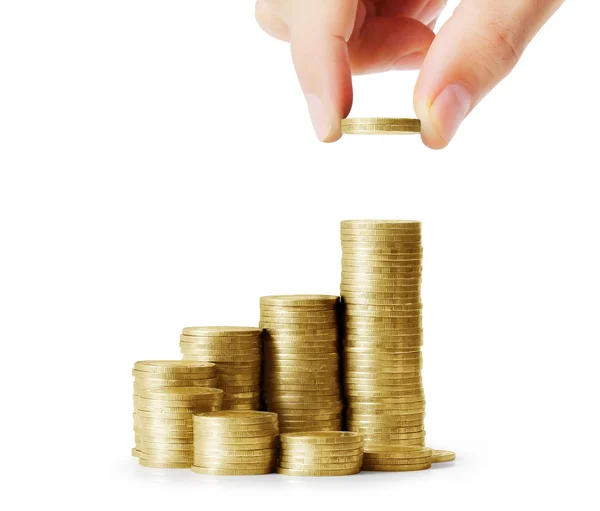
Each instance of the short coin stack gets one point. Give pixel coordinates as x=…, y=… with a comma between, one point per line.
x=237, y=354
x=301, y=377
x=235, y=443
x=324, y=453
x=165, y=423
x=397, y=458
x=168, y=373
x=381, y=294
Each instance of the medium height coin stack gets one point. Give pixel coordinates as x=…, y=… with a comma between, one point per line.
x=166, y=373
x=381, y=293
x=301, y=378
x=236, y=353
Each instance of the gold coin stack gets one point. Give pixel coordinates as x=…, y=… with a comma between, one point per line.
x=168, y=373
x=324, y=453
x=166, y=428
x=237, y=354
x=396, y=458
x=381, y=294
x=301, y=377
x=235, y=443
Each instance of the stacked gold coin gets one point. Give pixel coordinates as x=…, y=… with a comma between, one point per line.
x=166, y=429
x=235, y=443
x=381, y=294
x=300, y=343
x=169, y=373
x=320, y=453
x=237, y=354
x=396, y=458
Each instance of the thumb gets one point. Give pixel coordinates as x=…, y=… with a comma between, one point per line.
x=320, y=30
x=476, y=48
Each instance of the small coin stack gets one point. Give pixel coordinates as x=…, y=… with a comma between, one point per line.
x=166, y=428
x=397, y=458
x=324, y=453
x=237, y=354
x=381, y=293
x=168, y=373
x=301, y=377
x=235, y=443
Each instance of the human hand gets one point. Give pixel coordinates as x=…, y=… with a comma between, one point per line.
x=474, y=50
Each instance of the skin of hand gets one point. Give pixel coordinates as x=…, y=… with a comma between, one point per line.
x=473, y=51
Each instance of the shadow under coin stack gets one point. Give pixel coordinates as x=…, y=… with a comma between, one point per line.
x=397, y=458
x=236, y=353
x=235, y=443
x=381, y=294
x=301, y=378
x=168, y=373
x=167, y=430
x=325, y=453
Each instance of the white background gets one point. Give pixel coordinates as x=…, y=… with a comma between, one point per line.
x=158, y=170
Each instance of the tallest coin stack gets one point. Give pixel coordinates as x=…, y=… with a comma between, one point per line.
x=381, y=293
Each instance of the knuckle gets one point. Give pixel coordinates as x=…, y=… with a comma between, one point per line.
x=501, y=44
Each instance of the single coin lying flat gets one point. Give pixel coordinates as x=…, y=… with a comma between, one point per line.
x=380, y=126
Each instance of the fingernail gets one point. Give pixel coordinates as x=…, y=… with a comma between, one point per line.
x=449, y=110
x=319, y=117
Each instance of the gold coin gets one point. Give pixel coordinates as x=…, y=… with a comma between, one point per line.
x=381, y=259
x=356, y=123
x=370, y=415
x=258, y=443
x=222, y=331
x=225, y=417
x=221, y=357
x=298, y=314
x=439, y=456
x=183, y=379
x=393, y=238
x=318, y=466
x=317, y=473
x=372, y=296
x=172, y=366
x=292, y=337
x=208, y=434
x=325, y=301
x=135, y=452
x=386, y=429
x=391, y=231
x=290, y=415
x=379, y=224
x=339, y=437
x=322, y=449
x=222, y=465
x=191, y=348
x=180, y=393
x=387, y=451
x=158, y=464
x=402, y=128
x=362, y=300
x=395, y=468
x=278, y=378
x=324, y=408
x=226, y=429
x=235, y=453
x=231, y=472
x=317, y=460
x=241, y=406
